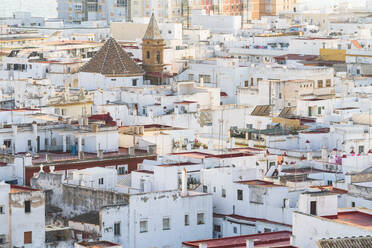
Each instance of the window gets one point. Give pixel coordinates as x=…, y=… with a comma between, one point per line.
x=187, y=221
x=27, y=238
x=200, y=219
x=313, y=207
x=328, y=83
x=358, y=71
x=7, y=143
x=361, y=149
x=46, y=141
x=223, y=193
x=148, y=54
x=320, y=83
x=353, y=204
x=266, y=230
x=27, y=206
x=214, y=189
x=56, y=111
x=246, y=83
x=1, y=210
x=205, y=189
x=134, y=82
x=143, y=226
x=235, y=229
x=191, y=77
x=122, y=171
x=63, y=111
x=158, y=58
x=205, y=78
x=100, y=181
x=217, y=228
x=117, y=229
x=329, y=182
x=240, y=194
x=29, y=144
x=319, y=110
x=121, y=3
x=166, y=223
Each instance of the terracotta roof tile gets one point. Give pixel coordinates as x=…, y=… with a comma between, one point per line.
x=111, y=59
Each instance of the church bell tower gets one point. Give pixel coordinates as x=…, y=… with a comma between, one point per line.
x=153, y=52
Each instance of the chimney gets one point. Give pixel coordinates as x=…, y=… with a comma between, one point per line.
x=203, y=245
x=249, y=243
x=201, y=82
x=184, y=183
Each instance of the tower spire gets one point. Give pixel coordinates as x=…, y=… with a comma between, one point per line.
x=153, y=31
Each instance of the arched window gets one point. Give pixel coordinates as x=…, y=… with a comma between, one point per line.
x=158, y=57
x=148, y=54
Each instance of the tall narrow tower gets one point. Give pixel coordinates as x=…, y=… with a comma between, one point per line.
x=153, y=52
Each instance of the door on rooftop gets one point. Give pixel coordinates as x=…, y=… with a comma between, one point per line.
x=309, y=111
x=313, y=207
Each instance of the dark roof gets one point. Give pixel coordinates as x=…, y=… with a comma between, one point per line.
x=89, y=218
x=287, y=112
x=103, y=117
x=153, y=31
x=111, y=59
x=261, y=110
x=354, y=242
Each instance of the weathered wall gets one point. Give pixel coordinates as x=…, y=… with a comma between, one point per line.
x=78, y=200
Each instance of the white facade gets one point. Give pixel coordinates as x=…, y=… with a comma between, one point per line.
x=159, y=217
x=22, y=216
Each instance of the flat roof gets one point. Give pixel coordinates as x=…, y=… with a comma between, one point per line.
x=260, y=183
x=271, y=239
x=252, y=219
x=179, y=164
x=208, y=155
x=355, y=218
x=18, y=189
x=144, y=171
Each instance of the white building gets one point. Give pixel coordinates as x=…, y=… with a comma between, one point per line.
x=165, y=215
x=116, y=69
x=318, y=218
x=22, y=214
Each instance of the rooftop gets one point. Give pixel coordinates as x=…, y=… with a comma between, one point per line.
x=112, y=60
x=355, y=218
x=245, y=218
x=272, y=239
x=20, y=189
x=354, y=242
x=259, y=183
